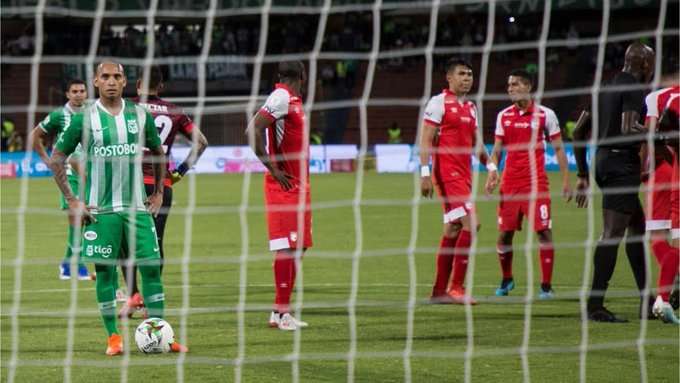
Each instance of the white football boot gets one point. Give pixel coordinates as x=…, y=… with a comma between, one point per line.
x=664, y=311
x=285, y=322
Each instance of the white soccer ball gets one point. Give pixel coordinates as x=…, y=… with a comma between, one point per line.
x=154, y=336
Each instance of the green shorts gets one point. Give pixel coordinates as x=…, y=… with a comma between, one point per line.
x=74, y=181
x=104, y=239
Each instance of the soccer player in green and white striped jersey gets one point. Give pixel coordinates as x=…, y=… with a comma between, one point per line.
x=115, y=209
x=52, y=126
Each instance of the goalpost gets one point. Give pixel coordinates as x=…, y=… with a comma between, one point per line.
x=203, y=105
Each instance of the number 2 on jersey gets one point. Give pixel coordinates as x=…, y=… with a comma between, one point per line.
x=164, y=126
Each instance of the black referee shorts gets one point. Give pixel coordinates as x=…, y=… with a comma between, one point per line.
x=617, y=173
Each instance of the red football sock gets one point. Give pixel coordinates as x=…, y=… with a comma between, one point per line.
x=460, y=259
x=284, y=278
x=505, y=260
x=659, y=248
x=547, y=254
x=668, y=269
x=444, y=265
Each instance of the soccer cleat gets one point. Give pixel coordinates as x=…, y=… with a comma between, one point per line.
x=459, y=297
x=83, y=274
x=65, y=271
x=546, y=292
x=115, y=345
x=176, y=347
x=601, y=314
x=275, y=320
x=664, y=311
x=287, y=322
x=134, y=304
x=506, y=286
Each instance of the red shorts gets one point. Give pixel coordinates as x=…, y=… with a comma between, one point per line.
x=282, y=217
x=658, y=198
x=675, y=201
x=456, y=201
x=515, y=205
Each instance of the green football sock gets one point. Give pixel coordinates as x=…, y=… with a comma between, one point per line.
x=152, y=289
x=106, y=296
x=70, y=243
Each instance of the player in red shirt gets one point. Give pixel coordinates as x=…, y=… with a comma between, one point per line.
x=281, y=142
x=449, y=135
x=668, y=255
x=170, y=120
x=517, y=127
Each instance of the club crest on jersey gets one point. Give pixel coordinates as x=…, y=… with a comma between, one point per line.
x=293, y=236
x=132, y=126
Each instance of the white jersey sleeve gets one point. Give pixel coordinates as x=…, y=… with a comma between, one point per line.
x=499, y=124
x=652, y=104
x=277, y=104
x=552, y=124
x=434, y=111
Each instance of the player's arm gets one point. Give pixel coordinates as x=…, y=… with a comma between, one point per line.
x=492, y=165
x=198, y=145
x=275, y=108
x=582, y=132
x=558, y=146
x=158, y=162
x=48, y=126
x=427, y=136
x=67, y=143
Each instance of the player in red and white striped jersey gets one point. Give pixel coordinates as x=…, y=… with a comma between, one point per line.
x=449, y=134
x=521, y=128
x=282, y=144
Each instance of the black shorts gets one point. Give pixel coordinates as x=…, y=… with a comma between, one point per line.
x=617, y=173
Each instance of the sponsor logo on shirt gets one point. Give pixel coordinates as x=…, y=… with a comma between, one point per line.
x=132, y=126
x=115, y=150
x=465, y=119
x=90, y=235
x=521, y=125
x=454, y=110
x=104, y=251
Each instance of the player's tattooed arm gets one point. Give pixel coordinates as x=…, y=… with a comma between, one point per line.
x=198, y=145
x=76, y=207
x=428, y=134
x=257, y=127
x=581, y=135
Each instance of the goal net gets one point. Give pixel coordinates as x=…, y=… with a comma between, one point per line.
x=364, y=286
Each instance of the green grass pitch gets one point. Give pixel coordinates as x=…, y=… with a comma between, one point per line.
x=439, y=332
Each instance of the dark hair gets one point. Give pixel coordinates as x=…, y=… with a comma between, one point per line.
x=74, y=81
x=291, y=70
x=155, y=76
x=524, y=75
x=457, y=61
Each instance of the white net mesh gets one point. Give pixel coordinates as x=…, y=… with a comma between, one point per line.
x=391, y=41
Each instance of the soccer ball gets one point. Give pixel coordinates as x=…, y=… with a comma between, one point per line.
x=154, y=336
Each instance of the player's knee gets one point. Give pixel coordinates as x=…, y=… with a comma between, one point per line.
x=451, y=230
x=545, y=237
x=505, y=238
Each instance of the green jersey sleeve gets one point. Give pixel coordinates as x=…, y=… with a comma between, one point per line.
x=52, y=123
x=71, y=136
x=152, y=139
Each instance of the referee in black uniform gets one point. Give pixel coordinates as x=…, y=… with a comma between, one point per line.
x=617, y=173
